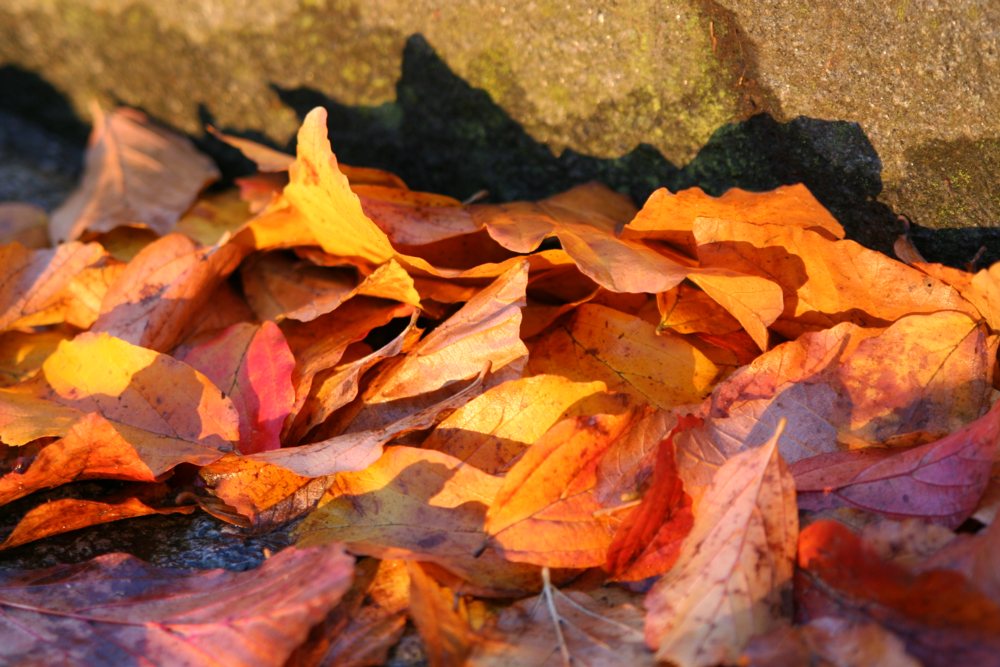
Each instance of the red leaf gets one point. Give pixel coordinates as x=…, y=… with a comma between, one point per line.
x=648, y=541
x=941, y=617
x=252, y=365
x=117, y=610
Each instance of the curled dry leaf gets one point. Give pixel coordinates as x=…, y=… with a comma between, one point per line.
x=321, y=192
x=116, y=609
x=135, y=173
x=735, y=567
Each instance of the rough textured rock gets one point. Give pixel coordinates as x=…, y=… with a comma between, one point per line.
x=864, y=99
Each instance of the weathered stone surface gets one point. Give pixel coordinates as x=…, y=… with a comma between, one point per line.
x=880, y=107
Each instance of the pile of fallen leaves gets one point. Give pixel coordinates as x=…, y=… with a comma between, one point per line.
x=568, y=431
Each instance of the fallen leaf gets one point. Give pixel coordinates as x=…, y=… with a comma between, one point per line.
x=419, y=505
x=671, y=217
x=154, y=401
x=492, y=430
x=602, y=628
x=447, y=637
x=22, y=353
x=23, y=223
x=252, y=365
x=598, y=343
x=837, y=392
x=36, y=282
x=367, y=623
x=648, y=541
x=155, y=299
x=135, y=173
x=735, y=566
x=118, y=609
x=67, y=514
x=941, y=481
x=941, y=618
x=546, y=511
x=319, y=190
x=828, y=641
x=824, y=281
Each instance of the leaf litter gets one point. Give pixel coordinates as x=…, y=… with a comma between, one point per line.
x=705, y=431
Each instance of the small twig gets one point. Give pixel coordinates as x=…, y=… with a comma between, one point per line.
x=556, y=619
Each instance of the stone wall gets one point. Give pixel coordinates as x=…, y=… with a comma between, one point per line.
x=881, y=107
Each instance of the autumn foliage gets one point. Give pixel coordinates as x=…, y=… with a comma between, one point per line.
x=708, y=431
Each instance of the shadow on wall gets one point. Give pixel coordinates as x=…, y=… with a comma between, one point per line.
x=443, y=135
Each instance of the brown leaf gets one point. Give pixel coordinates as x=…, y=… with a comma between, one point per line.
x=828, y=641
x=602, y=628
x=23, y=223
x=419, y=505
x=447, y=637
x=135, y=174
x=367, y=623
x=735, y=565
x=116, y=609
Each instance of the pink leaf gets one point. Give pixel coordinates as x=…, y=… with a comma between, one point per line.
x=941, y=481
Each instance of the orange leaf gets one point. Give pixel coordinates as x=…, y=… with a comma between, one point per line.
x=252, y=365
x=496, y=427
x=153, y=301
x=625, y=353
x=154, y=401
x=824, y=281
x=22, y=353
x=322, y=193
x=91, y=449
x=66, y=514
x=755, y=302
x=37, y=283
x=447, y=637
x=671, y=217
x=735, y=565
x=23, y=223
x=547, y=511
x=135, y=174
